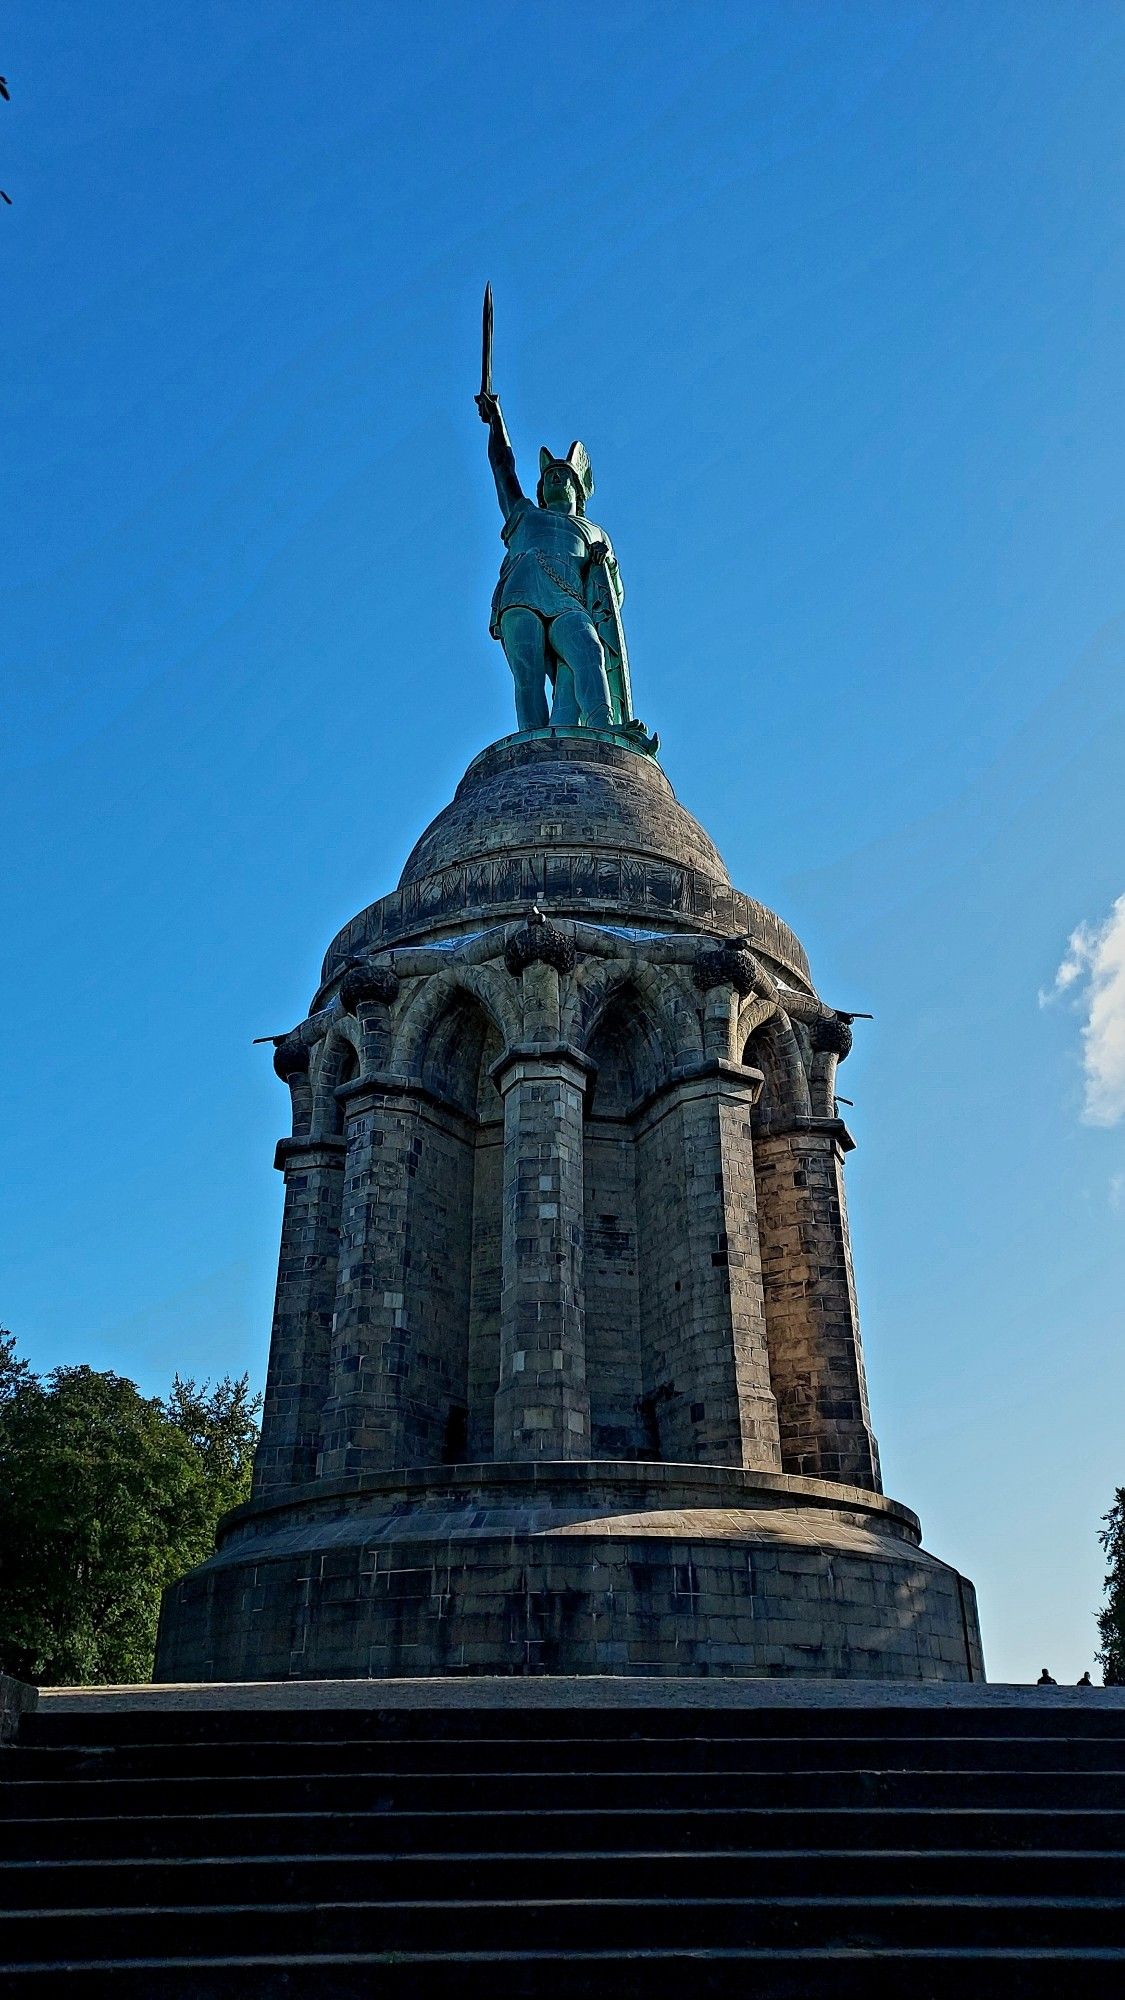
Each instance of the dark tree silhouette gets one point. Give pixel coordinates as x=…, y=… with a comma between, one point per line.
x=1111, y=1618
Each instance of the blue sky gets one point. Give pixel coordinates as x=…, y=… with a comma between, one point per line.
x=834, y=294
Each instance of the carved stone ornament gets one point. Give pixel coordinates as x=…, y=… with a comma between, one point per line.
x=364, y=981
x=538, y=942
x=291, y=1057
x=727, y=964
x=831, y=1036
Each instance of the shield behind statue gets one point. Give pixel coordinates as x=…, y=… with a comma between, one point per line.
x=607, y=622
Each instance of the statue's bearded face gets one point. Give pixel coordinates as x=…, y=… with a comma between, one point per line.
x=558, y=490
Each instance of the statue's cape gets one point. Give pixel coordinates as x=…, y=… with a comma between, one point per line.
x=605, y=614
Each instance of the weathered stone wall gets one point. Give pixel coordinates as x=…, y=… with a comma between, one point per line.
x=542, y=1401
x=305, y=1302
x=701, y=1293
x=484, y=1299
x=610, y=1282
x=812, y=1318
x=614, y=1351
x=16, y=1700
x=652, y=1571
x=437, y=1281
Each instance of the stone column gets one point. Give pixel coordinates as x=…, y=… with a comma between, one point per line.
x=812, y=1320
x=542, y=1404
x=402, y=1295
x=297, y=1378
x=702, y=1306
x=362, y=1421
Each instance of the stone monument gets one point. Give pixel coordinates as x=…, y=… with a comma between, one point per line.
x=566, y=1374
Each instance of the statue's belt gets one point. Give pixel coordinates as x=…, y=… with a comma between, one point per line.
x=567, y=589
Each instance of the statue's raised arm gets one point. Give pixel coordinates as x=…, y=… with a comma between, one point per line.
x=501, y=456
x=557, y=607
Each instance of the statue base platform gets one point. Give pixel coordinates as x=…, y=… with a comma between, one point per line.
x=573, y=1568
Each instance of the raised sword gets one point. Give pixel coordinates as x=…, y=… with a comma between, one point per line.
x=486, y=345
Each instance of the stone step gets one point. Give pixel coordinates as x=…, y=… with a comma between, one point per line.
x=120, y=1723
x=200, y=1854
x=848, y=1973
x=368, y=1754
x=544, y=1829
x=98, y=1883
x=589, y=1791
x=605, y=1923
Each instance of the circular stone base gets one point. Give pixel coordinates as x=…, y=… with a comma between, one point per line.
x=584, y=1568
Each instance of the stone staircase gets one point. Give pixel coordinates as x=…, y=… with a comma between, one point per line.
x=791, y=1846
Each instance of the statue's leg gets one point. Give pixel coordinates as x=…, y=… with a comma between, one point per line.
x=575, y=641
x=523, y=636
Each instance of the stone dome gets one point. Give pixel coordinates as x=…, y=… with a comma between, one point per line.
x=563, y=791
x=579, y=823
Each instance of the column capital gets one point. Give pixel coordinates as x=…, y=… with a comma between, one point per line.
x=304, y=1151
x=535, y=1062
x=713, y=1075
x=800, y=1127
x=364, y=1092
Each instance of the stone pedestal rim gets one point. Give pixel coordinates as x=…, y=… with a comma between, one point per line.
x=705, y=1486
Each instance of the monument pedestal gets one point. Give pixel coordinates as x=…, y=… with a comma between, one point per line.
x=575, y=1568
x=565, y=1194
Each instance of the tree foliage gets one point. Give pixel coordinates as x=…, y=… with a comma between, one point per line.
x=106, y=1496
x=1111, y=1618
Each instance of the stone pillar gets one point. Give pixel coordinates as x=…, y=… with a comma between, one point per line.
x=402, y=1295
x=542, y=1404
x=361, y=1421
x=812, y=1320
x=702, y=1306
x=297, y=1378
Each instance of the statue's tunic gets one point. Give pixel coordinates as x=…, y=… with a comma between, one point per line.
x=544, y=569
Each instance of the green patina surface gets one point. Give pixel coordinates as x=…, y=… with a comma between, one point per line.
x=556, y=609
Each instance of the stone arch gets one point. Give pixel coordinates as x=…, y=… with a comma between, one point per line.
x=753, y=1014
x=635, y=1024
x=630, y=1054
x=337, y=1063
x=452, y=1036
x=660, y=1000
x=457, y=1056
x=423, y=1013
x=773, y=1048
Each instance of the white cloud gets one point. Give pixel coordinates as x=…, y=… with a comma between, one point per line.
x=1095, y=962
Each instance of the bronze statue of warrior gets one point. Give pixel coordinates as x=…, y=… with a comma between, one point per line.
x=556, y=608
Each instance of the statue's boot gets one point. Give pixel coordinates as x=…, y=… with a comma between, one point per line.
x=564, y=708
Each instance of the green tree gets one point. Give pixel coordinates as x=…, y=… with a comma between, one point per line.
x=220, y=1424
x=13, y=1371
x=1111, y=1618
x=106, y=1496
